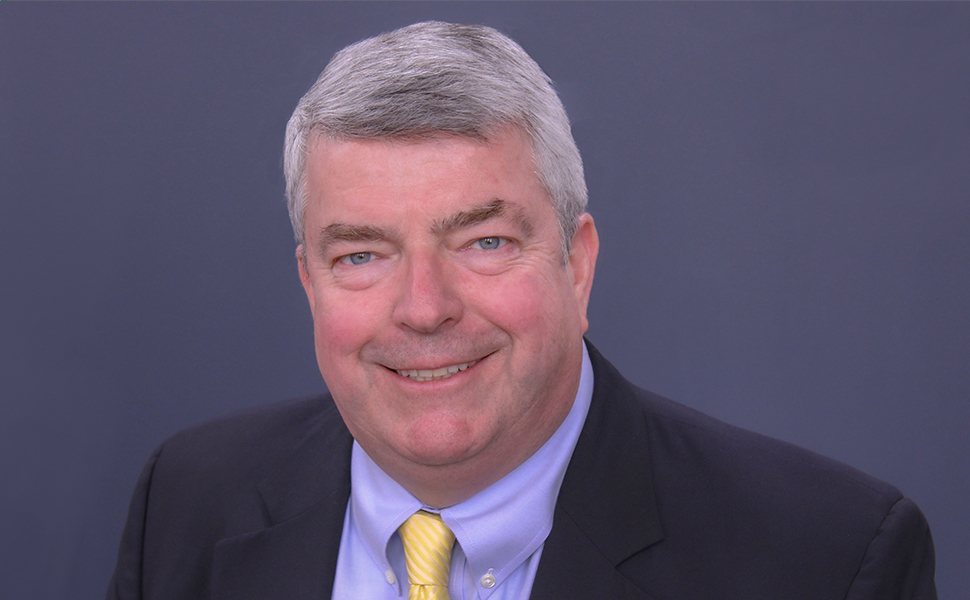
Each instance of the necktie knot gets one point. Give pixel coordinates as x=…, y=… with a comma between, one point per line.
x=427, y=552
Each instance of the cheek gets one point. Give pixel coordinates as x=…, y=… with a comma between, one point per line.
x=532, y=308
x=343, y=323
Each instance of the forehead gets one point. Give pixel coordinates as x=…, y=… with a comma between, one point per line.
x=356, y=173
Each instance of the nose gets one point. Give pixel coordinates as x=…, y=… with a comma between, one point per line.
x=429, y=300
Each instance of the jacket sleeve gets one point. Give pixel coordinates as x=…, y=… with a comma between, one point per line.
x=899, y=562
x=126, y=582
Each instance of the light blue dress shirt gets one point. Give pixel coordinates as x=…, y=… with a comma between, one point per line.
x=499, y=532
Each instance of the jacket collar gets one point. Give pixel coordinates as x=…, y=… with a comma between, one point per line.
x=607, y=509
x=305, y=502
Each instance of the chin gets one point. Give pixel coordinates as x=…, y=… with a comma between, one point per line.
x=441, y=443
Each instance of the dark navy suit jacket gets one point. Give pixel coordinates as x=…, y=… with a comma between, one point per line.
x=659, y=502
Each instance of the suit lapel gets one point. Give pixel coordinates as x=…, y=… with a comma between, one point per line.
x=606, y=511
x=306, y=500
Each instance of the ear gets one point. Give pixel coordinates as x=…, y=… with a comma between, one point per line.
x=582, y=263
x=301, y=262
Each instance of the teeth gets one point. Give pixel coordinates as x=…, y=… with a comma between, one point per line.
x=432, y=374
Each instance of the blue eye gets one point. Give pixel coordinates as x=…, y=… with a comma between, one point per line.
x=357, y=258
x=489, y=243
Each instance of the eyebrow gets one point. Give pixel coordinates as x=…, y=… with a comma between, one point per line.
x=480, y=214
x=342, y=232
x=345, y=232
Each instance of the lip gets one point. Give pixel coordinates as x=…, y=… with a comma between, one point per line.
x=436, y=374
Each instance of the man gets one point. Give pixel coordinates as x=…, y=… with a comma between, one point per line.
x=473, y=445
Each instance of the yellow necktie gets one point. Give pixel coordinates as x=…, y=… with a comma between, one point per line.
x=427, y=552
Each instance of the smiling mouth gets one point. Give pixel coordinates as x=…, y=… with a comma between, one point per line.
x=433, y=374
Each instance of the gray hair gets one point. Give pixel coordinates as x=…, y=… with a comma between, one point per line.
x=438, y=78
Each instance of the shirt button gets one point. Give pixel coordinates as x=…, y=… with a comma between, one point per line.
x=389, y=575
x=488, y=580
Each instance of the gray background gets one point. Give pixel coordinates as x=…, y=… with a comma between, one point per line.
x=782, y=191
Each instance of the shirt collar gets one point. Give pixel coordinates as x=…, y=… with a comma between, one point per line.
x=499, y=527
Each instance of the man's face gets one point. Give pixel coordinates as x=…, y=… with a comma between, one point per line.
x=447, y=327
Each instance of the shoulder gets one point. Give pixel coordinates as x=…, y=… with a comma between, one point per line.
x=224, y=478
x=759, y=513
x=749, y=472
x=212, y=475
x=689, y=446
x=251, y=440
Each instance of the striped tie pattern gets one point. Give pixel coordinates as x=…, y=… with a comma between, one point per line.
x=427, y=552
